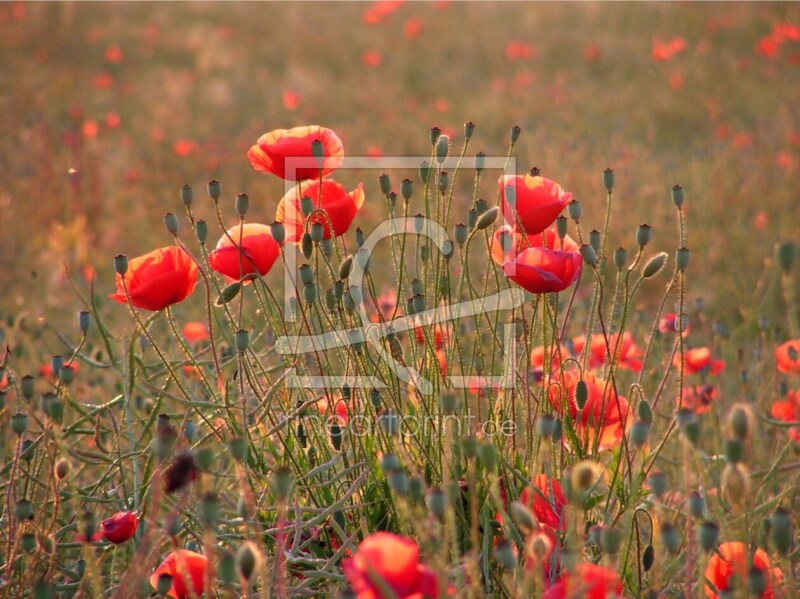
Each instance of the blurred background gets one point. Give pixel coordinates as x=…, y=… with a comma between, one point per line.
x=107, y=109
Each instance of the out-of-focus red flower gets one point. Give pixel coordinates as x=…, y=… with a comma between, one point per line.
x=556, y=356
x=112, y=120
x=537, y=266
x=113, y=54
x=335, y=408
x=785, y=160
x=734, y=559
x=259, y=250
x=546, y=499
x=385, y=305
x=768, y=46
x=287, y=153
x=185, y=147
x=439, y=335
x=786, y=32
x=103, y=81
x=664, y=51
x=588, y=581
x=394, y=561
x=538, y=201
x=379, y=10
x=195, y=332
x=291, y=100
x=90, y=128
x=604, y=419
x=518, y=50
x=120, y=527
x=787, y=357
x=374, y=151
x=592, y=53
x=46, y=370
x=699, y=360
x=158, y=279
x=372, y=58
x=743, y=139
x=186, y=568
x=698, y=398
x=340, y=206
x=676, y=81
x=760, y=221
x=788, y=410
x=667, y=324
x=412, y=28
x=629, y=352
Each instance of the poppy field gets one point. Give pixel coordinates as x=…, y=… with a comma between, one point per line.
x=400, y=299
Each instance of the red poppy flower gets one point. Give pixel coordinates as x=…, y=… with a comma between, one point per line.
x=788, y=410
x=699, y=360
x=538, y=201
x=194, y=332
x=287, y=153
x=629, y=352
x=120, y=527
x=556, y=356
x=46, y=369
x=340, y=206
x=666, y=325
x=605, y=419
x=186, y=567
x=259, y=252
x=439, y=335
x=158, y=279
x=338, y=413
x=387, y=559
x=546, y=499
x=698, y=398
x=588, y=581
x=533, y=264
x=733, y=559
x=385, y=306
x=788, y=357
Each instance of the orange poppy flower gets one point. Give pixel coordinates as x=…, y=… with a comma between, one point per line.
x=340, y=206
x=733, y=559
x=259, y=251
x=194, y=332
x=287, y=153
x=158, y=279
x=605, y=419
x=120, y=527
x=787, y=357
x=538, y=201
x=186, y=567
x=788, y=410
x=699, y=360
x=393, y=561
x=533, y=264
x=698, y=398
x=588, y=581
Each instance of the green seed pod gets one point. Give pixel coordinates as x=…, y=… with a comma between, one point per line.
x=306, y=245
x=214, y=190
x=480, y=162
x=620, y=257
x=515, y=131
x=654, y=265
x=436, y=502
x=80, y=568
x=238, y=448
x=522, y=515
x=278, y=231
x=610, y=539
x=326, y=246
x=317, y=232
x=417, y=287
x=708, y=536
x=643, y=235
x=318, y=151
x=487, y=218
x=120, y=264
x=375, y=399
x=187, y=197
x=487, y=454
x=424, y=171
x=442, y=148
x=248, y=558
x=581, y=394
x=335, y=432
x=682, y=258
x=785, y=254
x=561, y=226
x=472, y=218
x=696, y=504
x=739, y=421
x=733, y=450
x=469, y=129
x=306, y=274
x=648, y=558
x=19, y=423
x=505, y=555
x=545, y=425
x=419, y=303
x=228, y=293
x=469, y=447
x=447, y=402
x=330, y=299
x=281, y=483
x=435, y=133
x=23, y=510
x=88, y=526
x=28, y=542
x=389, y=423
x=242, y=340
x=385, y=183
x=389, y=462
x=657, y=481
x=56, y=362
x=595, y=239
x=608, y=179
x=242, y=204
x=163, y=584
x=338, y=289
x=416, y=489
x=190, y=430
x=447, y=251
x=28, y=386
x=589, y=255
x=460, y=233
x=670, y=538
x=780, y=531
x=66, y=374
x=677, y=196
x=756, y=582
x=84, y=321
x=209, y=510
x=227, y=567
x=481, y=206
x=204, y=457
x=690, y=427
x=171, y=223
x=398, y=482
x=640, y=431
x=444, y=181
x=27, y=450
x=645, y=412
x=201, y=231
x=310, y=293
x=574, y=210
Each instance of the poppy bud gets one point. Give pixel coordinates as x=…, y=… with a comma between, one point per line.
x=442, y=148
x=306, y=274
x=481, y=206
x=84, y=321
x=242, y=203
x=248, y=558
x=581, y=394
x=214, y=190
x=317, y=232
x=444, y=181
x=670, y=538
x=88, y=526
x=515, y=131
x=460, y=233
x=620, y=257
x=561, y=227
x=487, y=454
x=608, y=179
x=756, y=582
x=610, y=539
x=657, y=481
x=228, y=293
x=696, y=504
x=522, y=515
x=27, y=450
x=187, y=196
x=654, y=265
x=345, y=267
x=209, y=509
x=436, y=502
x=682, y=258
x=242, y=340
x=643, y=235
x=201, y=231
x=574, y=210
x=27, y=386
x=28, y=542
x=677, y=196
x=740, y=421
x=735, y=482
x=469, y=129
x=171, y=223
x=120, y=264
x=648, y=558
x=708, y=536
x=306, y=245
x=335, y=432
x=594, y=239
x=480, y=162
x=733, y=450
x=238, y=448
x=66, y=374
x=447, y=402
x=62, y=469
x=640, y=431
x=780, y=531
x=472, y=218
x=23, y=510
x=385, y=182
x=487, y=218
x=589, y=255
x=435, y=133
x=389, y=462
x=56, y=362
x=204, y=457
x=785, y=254
x=424, y=171
x=504, y=554
x=19, y=423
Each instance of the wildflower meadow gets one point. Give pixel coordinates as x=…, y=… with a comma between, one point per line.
x=400, y=300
